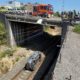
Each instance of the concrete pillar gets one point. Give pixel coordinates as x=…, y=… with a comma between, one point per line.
x=11, y=40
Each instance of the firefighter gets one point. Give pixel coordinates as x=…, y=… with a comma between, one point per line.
x=62, y=15
x=70, y=16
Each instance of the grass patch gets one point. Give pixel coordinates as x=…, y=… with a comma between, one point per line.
x=46, y=28
x=8, y=52
x=76, y=28
x=3, y=10
x=2, y=33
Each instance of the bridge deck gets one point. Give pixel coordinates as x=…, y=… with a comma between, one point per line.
x=32, y=19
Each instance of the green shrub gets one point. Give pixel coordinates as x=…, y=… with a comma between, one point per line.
x=8, y=52
x=57, y=14
x=77, y=28
x=46, y=28
x=2, y=33
x=17, y=59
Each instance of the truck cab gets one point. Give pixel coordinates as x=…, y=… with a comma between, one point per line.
x=45, y=10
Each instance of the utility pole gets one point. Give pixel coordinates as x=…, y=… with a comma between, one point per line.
x=62, y=14
x=63, y=5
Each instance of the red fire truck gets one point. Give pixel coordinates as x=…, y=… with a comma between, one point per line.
x=44, y=10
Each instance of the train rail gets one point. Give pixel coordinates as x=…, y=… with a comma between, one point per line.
x=26, y=74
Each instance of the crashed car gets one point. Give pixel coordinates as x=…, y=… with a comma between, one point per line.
x=30, y=65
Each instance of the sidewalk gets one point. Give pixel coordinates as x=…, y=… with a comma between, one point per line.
x=69, y=68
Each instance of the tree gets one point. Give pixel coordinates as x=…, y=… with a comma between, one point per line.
x=2, y=7
x=74, y=12
x=23, y=8
x=57, y=14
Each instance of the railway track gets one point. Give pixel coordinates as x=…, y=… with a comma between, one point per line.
x=26, y=74
x=50, y=49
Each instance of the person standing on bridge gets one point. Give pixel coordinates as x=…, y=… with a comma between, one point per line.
x=70, y=16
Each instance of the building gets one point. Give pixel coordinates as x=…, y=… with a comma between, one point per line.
x=29, y=7
x=14, y=4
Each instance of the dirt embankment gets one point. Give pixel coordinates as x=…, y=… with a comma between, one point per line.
x=9, y=57
x=53, y=30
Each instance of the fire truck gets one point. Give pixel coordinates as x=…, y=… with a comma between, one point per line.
x=43, y=10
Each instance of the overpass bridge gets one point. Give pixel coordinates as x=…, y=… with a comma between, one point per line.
x=23, y=27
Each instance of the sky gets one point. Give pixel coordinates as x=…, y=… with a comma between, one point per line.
x=58, y=5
